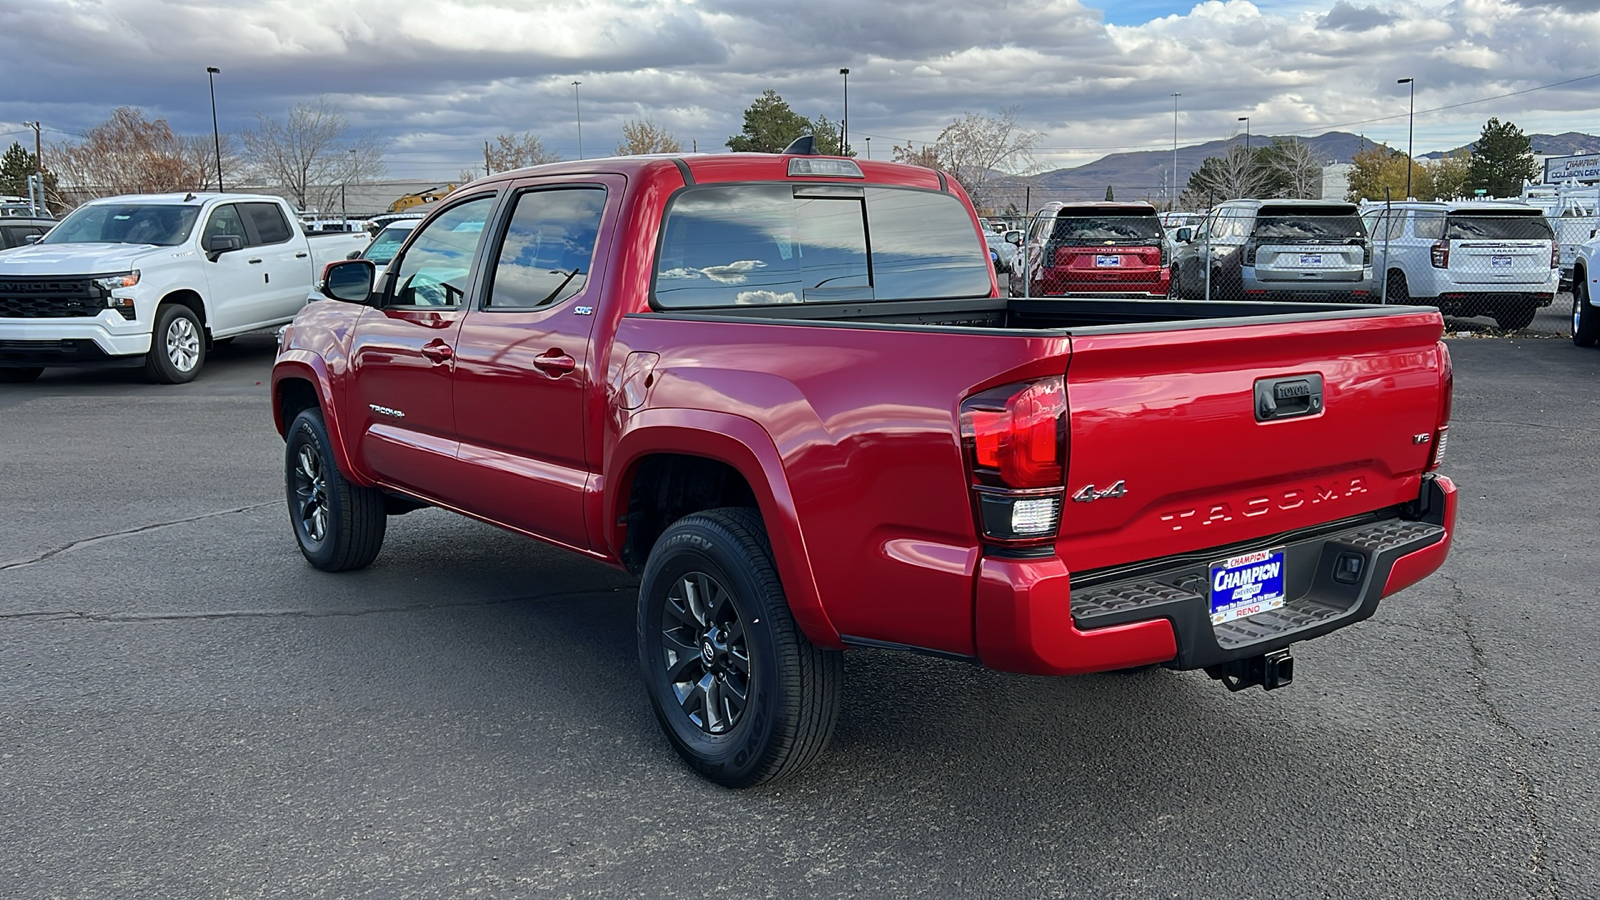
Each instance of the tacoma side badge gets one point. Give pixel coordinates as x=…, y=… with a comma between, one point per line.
x=1088, y=494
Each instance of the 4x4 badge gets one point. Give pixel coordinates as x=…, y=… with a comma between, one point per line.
x=1088, y=494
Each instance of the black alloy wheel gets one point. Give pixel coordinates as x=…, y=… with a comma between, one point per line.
x=740, y=692
x=338, y=525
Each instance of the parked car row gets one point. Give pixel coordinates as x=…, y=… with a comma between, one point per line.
x=1491, y=258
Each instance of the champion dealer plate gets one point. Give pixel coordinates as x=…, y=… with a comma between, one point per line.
x=1246, y=585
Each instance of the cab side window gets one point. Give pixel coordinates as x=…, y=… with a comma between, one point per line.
x=271, y=226
x=438, y=264
x=548, y=249
x=225, y=220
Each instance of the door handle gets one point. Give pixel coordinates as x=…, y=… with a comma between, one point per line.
x=437, y=350
x=555, y=363
x=254, y=261
x=301, y=255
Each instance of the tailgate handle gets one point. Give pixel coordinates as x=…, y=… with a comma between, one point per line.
x=1287, y=397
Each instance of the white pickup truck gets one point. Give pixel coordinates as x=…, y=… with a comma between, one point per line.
x=157, y=279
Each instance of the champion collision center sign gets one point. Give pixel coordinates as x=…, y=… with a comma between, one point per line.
x=1585, y=168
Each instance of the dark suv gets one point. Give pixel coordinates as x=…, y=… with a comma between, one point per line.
x=1094, y=249
x=1276, y=250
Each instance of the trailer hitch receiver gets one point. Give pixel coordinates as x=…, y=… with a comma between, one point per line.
x=1269, y=670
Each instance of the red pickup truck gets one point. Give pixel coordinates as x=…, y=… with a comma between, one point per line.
x=786, y=392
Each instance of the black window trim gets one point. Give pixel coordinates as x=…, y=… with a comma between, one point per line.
x=249, y=220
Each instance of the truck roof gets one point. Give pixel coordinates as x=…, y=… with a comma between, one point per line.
x=723, y=167
x=183, y=198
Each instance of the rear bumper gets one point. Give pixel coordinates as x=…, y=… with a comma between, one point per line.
x=1035, y=617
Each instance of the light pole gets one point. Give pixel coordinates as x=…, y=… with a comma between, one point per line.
x=869, y=148
x=1175, y=191
x=1411, y=115
x=216, y=136
x=578, y=110
x=1246, y=121
x=344, y=210
x=844, y=125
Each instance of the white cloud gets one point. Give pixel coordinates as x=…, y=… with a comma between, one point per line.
x=439, y=78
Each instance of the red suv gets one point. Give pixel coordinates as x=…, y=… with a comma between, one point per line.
x=1096, y=249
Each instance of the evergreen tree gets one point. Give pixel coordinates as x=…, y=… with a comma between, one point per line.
x=1110, y=194
x=1502, y=159
x=769, y=125
x=15, y=167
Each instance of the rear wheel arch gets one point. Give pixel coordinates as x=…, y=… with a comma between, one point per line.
x=733, y=458
x=661, y=488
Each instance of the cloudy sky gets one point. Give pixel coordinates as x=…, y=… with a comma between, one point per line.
x=438, y=77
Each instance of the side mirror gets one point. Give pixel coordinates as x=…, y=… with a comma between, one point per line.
x=349, y=280
x=353, y=254
x=1014, y=237
x=217, y=244
x=1184, y=235
x=34, y=238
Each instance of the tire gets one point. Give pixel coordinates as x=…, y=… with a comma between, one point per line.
x=1174, y=285
x=338, y=525
x=20, y=375
x=1397, y=290
x=1516, y=318
x=177, y=346
x=713, y=618
x=1585, y=318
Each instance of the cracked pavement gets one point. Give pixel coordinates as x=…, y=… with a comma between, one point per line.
x=463, y=718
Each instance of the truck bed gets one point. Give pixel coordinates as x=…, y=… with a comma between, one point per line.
x=1048, y=314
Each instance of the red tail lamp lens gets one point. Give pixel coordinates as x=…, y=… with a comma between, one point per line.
x=1016, y=434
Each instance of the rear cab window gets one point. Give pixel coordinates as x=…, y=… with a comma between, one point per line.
x=728, y=245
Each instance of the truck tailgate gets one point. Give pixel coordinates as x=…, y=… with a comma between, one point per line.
x=1171, y=414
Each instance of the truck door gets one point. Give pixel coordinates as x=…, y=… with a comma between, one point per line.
x=285, y=263
x=523, y=363
x=402, y=355
x=235, y=280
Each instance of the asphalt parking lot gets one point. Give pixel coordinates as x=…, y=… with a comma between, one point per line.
x=189, y=710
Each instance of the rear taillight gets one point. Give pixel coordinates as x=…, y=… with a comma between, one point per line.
x=1366, y=253
x=1250, y=253
x=1440, y=257
x=1441, y=430
x=1015, y=442
x=1555, y=255
x=1166, y=255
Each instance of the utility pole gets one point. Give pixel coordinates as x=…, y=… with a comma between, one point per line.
x=486, y=172
x=1175, y=192
x=216, y=136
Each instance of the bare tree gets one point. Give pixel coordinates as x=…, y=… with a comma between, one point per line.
x=309, y=157
x=516, y=151
x=129, y=154
x=1297, y=168
x=646, y=137
x=1233, y=175
x=979, y=150
x=928, y=156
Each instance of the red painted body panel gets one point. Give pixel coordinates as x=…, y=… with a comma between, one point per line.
x=848, y=434
x=1413, y=567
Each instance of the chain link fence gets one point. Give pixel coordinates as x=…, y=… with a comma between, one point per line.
x=1484, y=265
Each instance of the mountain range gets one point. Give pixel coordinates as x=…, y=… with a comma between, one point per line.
x=1144, y=173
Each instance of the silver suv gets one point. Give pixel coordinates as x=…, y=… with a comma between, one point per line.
x=1486, y=258
x=1276, y=250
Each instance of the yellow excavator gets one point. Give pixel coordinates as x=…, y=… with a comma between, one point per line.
x=420, y=198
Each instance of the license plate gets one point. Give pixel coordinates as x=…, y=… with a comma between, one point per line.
x=1246, y=585
x=1105, y=262
x=1311, y=259
x=1499, y=262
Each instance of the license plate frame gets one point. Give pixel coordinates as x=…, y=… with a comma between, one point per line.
x=1110, y=261
x=1311, y=259
x=1246, y=584
x=1499, y=262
